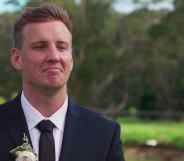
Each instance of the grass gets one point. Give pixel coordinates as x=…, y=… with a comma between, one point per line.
x=164, y=133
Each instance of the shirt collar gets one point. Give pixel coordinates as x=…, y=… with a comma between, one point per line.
x=33, y=116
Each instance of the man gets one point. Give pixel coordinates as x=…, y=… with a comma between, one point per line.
x=56, y=128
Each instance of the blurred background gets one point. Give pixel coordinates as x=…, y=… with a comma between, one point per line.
x=129, y=57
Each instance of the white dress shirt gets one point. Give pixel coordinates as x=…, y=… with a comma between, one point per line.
x=33, y=117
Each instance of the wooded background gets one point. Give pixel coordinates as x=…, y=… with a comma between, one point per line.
x=123, y=62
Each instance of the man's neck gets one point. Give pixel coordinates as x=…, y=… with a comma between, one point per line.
x=45, y=102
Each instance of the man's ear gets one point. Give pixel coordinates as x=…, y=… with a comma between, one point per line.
x=16, y=59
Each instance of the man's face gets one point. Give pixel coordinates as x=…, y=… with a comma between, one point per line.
x=45, y=58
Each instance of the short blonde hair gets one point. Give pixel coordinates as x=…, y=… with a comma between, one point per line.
x=43, y=13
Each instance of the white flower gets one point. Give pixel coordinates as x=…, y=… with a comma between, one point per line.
x=25, y=156
x=24, y=152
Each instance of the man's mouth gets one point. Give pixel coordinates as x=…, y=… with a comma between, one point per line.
x=53, y=69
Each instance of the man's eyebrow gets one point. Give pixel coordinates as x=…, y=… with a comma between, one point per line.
x=44, y=41
x=38, y=42
x=62, y=42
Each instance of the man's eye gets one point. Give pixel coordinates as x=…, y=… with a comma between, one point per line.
x=61, y=48
x=39, y=47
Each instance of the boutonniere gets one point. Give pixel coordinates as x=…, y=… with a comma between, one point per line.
x=24, y=152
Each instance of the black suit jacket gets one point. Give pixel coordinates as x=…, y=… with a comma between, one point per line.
x=87, y=135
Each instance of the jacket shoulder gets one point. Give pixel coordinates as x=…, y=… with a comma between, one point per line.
x=7, y=105
x=96, y=118
x=8, y=109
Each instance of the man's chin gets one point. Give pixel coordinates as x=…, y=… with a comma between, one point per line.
x=52, y=87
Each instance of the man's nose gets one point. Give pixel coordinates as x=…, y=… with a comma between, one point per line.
x=53, y=54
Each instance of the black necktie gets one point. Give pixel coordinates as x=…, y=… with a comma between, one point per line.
x=46, y=143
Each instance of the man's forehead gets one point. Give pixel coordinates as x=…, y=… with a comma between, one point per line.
x=47, y=30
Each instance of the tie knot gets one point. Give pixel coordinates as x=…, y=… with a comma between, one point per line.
x=45, y=126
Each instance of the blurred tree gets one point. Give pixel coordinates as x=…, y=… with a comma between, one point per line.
x=7, y=77
x=168, y=37
x=121, y=60
x=93, y=50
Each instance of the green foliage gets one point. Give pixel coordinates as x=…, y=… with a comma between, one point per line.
x=121, y=60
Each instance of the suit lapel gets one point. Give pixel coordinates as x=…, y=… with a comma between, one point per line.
x=72, y=133
x=17, y=125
